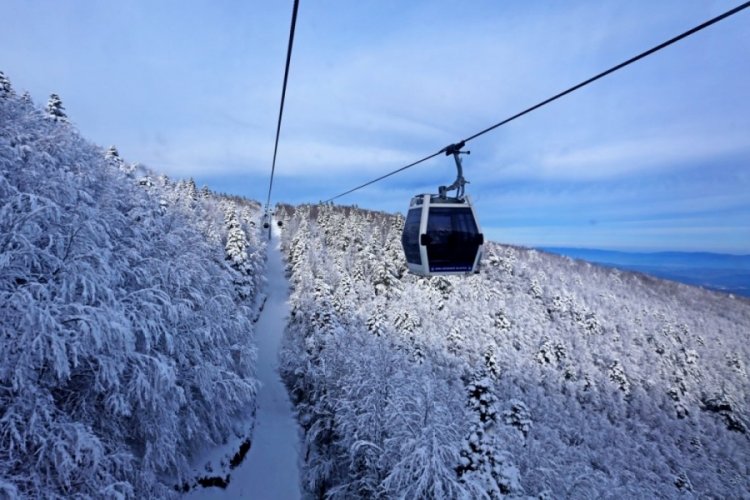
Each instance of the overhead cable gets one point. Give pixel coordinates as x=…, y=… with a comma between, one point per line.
x=283, y=96
x=563, y=93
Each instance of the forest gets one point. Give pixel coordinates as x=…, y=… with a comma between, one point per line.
x=541, y=375
x=126, y=315
x=127, y=308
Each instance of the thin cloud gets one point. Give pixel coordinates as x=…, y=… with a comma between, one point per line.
x=618, y=159
x=228, y=155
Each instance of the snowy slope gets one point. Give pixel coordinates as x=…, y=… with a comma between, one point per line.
x=270, y=470
x=540, y=376
x=126, y=307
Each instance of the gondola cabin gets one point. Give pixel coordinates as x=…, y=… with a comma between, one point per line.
x=442, y=236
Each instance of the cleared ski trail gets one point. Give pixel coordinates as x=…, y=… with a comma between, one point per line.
x=270, y=469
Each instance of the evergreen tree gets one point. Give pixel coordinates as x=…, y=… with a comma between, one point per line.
x=55, y=109
x=192, y=190
x=112, y=153
x=113, y=157
x=235, y=247
x=5, y=87
x=482, y=459
x=237, y=254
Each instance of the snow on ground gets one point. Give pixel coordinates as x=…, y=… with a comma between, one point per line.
x=270, y=470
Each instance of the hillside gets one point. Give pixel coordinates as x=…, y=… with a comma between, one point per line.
x=540, y=376
x=126, y=308
x=127, y=350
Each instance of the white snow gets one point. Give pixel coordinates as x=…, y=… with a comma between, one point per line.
x=126, y=334
x=127, y=346
x=540, y=376
x=270, y=470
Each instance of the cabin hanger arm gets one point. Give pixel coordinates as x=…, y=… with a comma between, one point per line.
x=460, y=182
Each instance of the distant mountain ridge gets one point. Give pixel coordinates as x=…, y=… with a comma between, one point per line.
x=723, y=272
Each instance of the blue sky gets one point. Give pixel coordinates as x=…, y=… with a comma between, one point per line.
x=654, y=157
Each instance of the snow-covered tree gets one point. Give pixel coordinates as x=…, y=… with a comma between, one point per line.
x=5, y=87
x=112, y=154
x=123, y=351
x=581, y=382
x=55, y=109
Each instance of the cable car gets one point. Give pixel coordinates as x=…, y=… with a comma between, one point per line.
x=441, y=234
x=279, y=223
